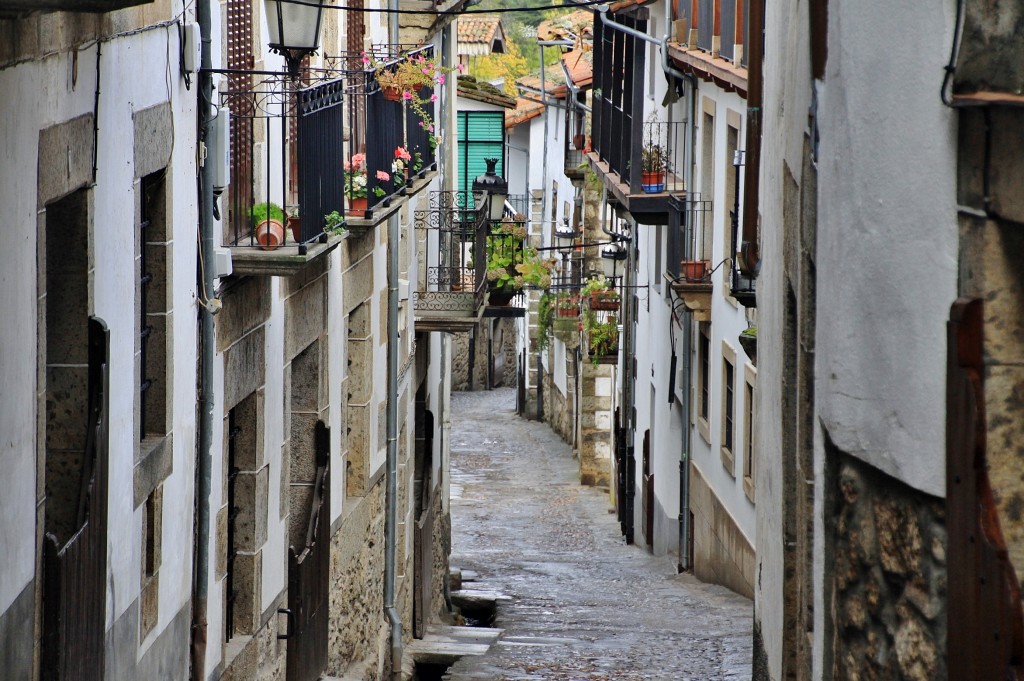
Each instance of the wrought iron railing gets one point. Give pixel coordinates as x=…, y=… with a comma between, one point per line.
x=629, y=145
x=576, y=141
x=391, y=145
x=455, y=238
x=689, y=239
x=517, y=204
x=285, y=150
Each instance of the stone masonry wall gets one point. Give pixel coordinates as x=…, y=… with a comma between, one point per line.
x=888, y=570
x=357, y=592
x=595, y=446
x=559, y=411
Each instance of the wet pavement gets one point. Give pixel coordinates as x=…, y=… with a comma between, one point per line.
x=578, y=602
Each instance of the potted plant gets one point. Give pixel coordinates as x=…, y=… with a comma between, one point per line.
x=567, y=307
x=652, y=159
x=748, y=341
x=293, y=224
x=334, y=223
x=512, y=264
x=694, y=271
x=600, y=294
x=602, y=336
x=268, y=225
x=406, y=78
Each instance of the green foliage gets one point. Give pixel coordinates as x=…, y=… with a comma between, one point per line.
x=545, y=316
x=602, y=337
x=334, y=223
x=266, y=211
x=750, y=332
x=595, y=285
x=513, y=264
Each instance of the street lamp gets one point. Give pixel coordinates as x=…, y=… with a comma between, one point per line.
x=610, y=256
x=565, y=235
x=492, y=188
x=294, y=30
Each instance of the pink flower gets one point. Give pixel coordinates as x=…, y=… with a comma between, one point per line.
x=440, y=79
x=403, y=153
x=431, y=127
x=407, y=94
x=366, y=58
x=433, y=97
x=382, y=176
x=461, y=67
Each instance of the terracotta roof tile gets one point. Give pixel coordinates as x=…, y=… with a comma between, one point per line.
x=524, y=111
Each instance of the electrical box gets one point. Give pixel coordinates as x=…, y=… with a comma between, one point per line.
x=219, y=149
x=222, y=262
x=191, y=38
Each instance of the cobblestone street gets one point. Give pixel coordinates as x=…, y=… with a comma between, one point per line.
x=578, y=602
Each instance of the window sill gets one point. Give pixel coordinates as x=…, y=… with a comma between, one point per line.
x=728, y=461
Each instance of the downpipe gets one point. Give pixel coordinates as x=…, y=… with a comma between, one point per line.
x=391, y=424
x=203, y=454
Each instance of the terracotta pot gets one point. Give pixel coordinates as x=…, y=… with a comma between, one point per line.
x=270, y=234
x=652, y=182
x=694, y=271
x=605, y=301
x=391, y=93
x=357, y=206
x=294, y=227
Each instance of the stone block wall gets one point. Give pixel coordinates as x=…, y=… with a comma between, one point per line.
x=357, y=585
x=504, y=335
x=721, y=553
x=595, y=445
x=887, y=566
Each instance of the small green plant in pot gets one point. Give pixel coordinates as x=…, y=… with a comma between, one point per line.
x=602, y=336
x=600, y=294
x=652, y=159
x=267, y=221
x=334, y=223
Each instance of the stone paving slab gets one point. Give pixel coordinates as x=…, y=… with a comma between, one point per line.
x=579, y=603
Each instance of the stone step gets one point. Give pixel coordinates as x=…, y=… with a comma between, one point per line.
x=444, y=644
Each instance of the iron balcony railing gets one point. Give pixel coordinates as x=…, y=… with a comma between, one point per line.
x=646, y=153
x=517, y=204
x=286, y=146
x=391, y=145
x=689, y=239
x=576, y=142
x=705, y=24
x=455, y=243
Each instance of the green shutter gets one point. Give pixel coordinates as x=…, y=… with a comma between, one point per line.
x=481, y=135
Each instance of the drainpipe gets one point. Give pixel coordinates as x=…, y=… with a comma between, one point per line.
x=391, y=421
x=685, y=559
x=750, y=256
x=203, y=455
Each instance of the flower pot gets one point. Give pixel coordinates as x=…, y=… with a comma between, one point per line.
x=357, y=206
x=694, y=271
x=579, y=142
x=606, y=301
x=500, y=298
x=294, y=227
x=391, y=93
x=652, y=181
x=270, y=234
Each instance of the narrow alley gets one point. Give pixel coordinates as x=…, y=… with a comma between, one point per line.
x=579, y=603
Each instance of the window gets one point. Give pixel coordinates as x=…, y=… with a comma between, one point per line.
x=704, y=381
x=749, y=378
x=732, y=135
x=707, y=172
x=153, y=291
x=152, y=525
x=481, y=135
x=728, y=442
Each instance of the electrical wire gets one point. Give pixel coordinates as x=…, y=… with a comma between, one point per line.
x=954, y=52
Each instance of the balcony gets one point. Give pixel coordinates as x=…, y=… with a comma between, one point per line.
x=576, y=141
x=391, y=155
x=453, y=285
x=285, y=149
x=711, y=42
x=640, y=159
x=689, y=267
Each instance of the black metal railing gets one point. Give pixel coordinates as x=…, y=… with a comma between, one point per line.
x=618, y=96
x=455, y=244
x=292, y=131
x=575, y=139
x=727, y=25
x=689, y=239
x=648, y=155
x=662, y=161
x=391, y=143
x=517, y=204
